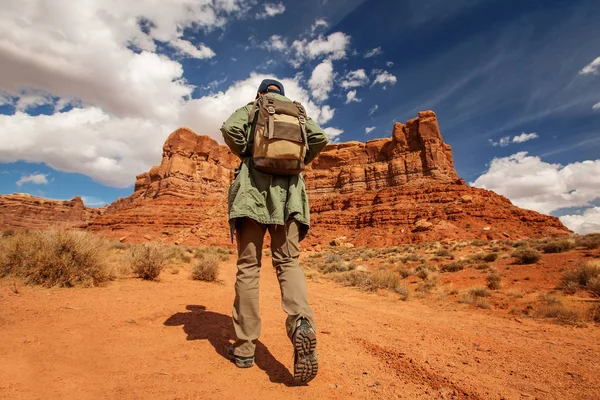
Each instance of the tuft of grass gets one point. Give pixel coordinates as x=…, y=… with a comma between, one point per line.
x=479, y=291
x=526, y=255
x=557, y=246
x=148, y=260
x=494, y=281
x=586, y=276
x=55, y=258
x=443, y=252
x=490, y=257
x=551, y=306
x=223, y=253
x=207, y=268
x=590, y=241
x=478, y=243
x=453, y=267
x=382, y=279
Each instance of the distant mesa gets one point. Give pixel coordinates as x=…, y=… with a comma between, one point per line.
x=401, y=189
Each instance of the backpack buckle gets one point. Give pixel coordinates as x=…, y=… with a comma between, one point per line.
x=271, y=110
x=302, y=119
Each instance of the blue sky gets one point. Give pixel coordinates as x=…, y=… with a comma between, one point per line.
x=89, y=94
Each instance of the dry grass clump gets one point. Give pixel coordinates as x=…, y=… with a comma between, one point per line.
x=453, y=267
x=207, y=268
x=557, y=246
x=586, y=276
x=527, y=255
x=382, y=279
x=478, y=243
x=55, y=258
x=148, y=260
x=590, y=241
x=475, y=296
x=429, y=283
x=223, y=253
x=494, y=280
x=552, y=306
x=443, y=252
x=490, y=257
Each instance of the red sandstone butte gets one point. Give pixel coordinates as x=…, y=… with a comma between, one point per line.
x=391, y=191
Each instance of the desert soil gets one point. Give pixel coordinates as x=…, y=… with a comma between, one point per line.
x=133, y=339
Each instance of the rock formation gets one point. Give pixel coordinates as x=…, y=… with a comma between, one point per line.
x=390, y=191
x=26, y=211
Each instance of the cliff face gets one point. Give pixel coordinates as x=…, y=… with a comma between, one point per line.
x=26, y=211
x=384, y=192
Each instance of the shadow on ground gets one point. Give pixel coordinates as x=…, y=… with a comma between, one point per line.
x=200, y=324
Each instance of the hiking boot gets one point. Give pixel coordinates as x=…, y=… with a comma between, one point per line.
x=240, y=362
x=304, y=341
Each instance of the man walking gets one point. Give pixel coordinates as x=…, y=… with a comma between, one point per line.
x=275, y=140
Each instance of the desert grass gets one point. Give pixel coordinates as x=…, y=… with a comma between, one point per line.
x=526, y=255
x=494, y=280
x=207, y=268
x=148, y=260
x=586, y=276
x=381, y=279
x=551, y=306
x=590, y=241
x=55, y=258
x=557, y=246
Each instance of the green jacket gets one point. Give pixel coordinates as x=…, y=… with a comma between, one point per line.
x=268, y=199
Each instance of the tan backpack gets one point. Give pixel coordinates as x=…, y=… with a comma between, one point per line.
x=278, y=136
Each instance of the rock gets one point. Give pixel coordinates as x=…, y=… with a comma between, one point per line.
x=122, y=239
x=361, y=268
x=422, y=225
x=466, y=199
x=338, y=241
x=348, y=245
x=487, y=228
x=147, y=237
x=318, y=248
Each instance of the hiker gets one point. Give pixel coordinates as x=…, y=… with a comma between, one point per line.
x=275, y=139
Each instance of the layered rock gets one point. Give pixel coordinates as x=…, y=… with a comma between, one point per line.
x=29, y=212
x=389, y=191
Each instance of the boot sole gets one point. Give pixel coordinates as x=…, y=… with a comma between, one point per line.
x=306, y=364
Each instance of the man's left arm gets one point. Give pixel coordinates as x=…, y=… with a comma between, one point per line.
x=317, y=140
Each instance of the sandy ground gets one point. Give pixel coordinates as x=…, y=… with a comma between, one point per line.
x=167, y=340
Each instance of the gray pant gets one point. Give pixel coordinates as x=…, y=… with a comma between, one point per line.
x=285, y=250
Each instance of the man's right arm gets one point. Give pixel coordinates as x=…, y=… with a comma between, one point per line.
x=234, y=131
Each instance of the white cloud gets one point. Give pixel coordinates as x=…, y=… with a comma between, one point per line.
x=592, y=68
x=524, y=137
x=5, y=99
x=333, y=134
x=91, y=201
x=36, y=179
x=31, y=99
x=369, y=130
x=596, y=107
x=186, y=48
x=373, y=109
x=506, y=140
x=321, y=80
x=389, y=64
x=374, y=52
x=271, y=10
x=588, y=222
x=326, y=114
x=275, y=43
x=354, y=79
x=319, y=23
x=532, y=183
x=351, y=97
x=383, y=78
x=333, y=46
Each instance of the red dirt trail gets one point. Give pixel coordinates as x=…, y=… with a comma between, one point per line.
x=167, y=340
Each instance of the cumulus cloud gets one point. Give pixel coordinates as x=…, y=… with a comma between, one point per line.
x=333, y=46
x=588, y=222
x=383, y=78
x=275, y=43
x=351, y=97
x=333, y=134
x=354, y=79
x=592, y=68
x=506, y=140
x=373, y=109
x=36, y=179
x=271, y=10
x=596, y=107
x=374, y=52
x=321, y=80
x=534, y=184
x=369, y=130
x=186, y=48
x=91, y=201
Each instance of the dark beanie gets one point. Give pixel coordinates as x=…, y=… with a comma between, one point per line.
x=268, y=82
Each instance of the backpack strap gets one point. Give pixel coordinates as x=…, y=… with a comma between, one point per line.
x=254, y=117
x=271, y=119
x=302, y=121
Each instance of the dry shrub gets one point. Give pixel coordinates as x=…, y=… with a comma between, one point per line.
x=557, y=246
x=551, y=306
x=207, y=268
x=475, y=296
x=443, y=253
x=429, y=283
x=590, y=241
x=527, y=255
x=586, y=276
x=494, y=281
x=453, y=267
x=382, y=279
x=148, y=260
x=479, y=291
x=490, y=257
x=478, y=243
x=515, y=293
x=223, y=253
x=483, y=266
x=55, y=258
